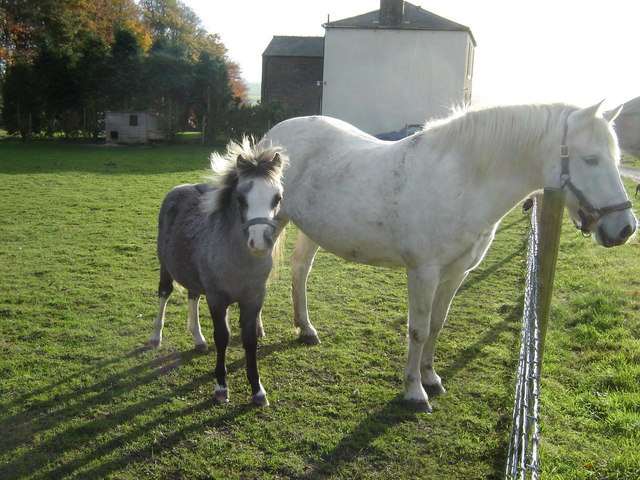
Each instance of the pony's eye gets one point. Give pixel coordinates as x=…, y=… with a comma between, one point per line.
x=591, y=159
x=242, y=201
x=276, y=200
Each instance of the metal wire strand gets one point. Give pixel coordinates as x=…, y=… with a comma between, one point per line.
x=522, y=458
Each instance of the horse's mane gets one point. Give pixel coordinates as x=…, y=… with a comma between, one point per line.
x=500, y=131
x=258, y=162
x=526, y=124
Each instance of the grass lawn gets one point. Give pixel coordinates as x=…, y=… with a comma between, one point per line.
x=81, y=398
x=630, y=160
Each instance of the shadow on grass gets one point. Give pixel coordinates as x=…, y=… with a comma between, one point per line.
x=359, y=445
x=354, y=444
x=482, y=272
x=42, y=434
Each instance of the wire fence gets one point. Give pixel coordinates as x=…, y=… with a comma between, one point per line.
x=522, y=459
x=544, y=241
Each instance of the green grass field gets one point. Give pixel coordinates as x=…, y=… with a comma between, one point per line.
x=81, y=398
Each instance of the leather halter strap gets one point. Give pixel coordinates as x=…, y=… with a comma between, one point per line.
x=587, y=212
x=259, y=221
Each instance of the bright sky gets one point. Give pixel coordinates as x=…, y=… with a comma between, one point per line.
x=572, y=51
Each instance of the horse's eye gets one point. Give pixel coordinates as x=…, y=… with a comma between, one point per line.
x=242, y=201
x=276, y=200
x=591, y=159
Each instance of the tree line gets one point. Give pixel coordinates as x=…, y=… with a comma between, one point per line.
x=63, y=63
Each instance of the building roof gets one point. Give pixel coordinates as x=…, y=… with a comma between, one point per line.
x=295, y=47
x=415, y=18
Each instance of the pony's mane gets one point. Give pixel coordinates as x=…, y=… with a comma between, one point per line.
x=258, y=162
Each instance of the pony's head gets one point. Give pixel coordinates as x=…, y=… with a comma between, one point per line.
x=596, y=199
x=249, y=175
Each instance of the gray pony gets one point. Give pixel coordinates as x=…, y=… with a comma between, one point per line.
x=217, y=240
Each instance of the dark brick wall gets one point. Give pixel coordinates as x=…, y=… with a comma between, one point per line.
x=293, y=81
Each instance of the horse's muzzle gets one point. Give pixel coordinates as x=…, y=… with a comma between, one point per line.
x=604, y=238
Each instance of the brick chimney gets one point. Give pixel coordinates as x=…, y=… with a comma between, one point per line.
x=391, y=13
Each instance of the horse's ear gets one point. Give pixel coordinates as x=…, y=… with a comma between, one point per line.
x=586, y=114
x=277, y=160
x=610, y=115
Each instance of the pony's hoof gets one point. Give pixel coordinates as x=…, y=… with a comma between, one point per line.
x=310, y=339
x=260, y=400
x=435, y=389
x=222, y=394
x=418, y=405
x=154, y=343
x=201, y=347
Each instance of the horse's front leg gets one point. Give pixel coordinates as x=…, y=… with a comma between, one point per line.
x=249, y=316
x=199, y=341
x=301, y=261
x=431, y=381
x=422, y=283
x=221, y=337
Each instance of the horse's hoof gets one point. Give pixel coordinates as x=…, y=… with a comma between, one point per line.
x=201, y=347
x=260, y=400
x=435, y=389
x=222, y=394
x=418, y=405
x=309, y=339
x=260, y=332
x=154, y=343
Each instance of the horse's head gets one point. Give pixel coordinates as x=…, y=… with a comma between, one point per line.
x=258, y=195
x=596, y=199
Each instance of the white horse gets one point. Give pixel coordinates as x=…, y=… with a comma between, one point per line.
x=431, y=202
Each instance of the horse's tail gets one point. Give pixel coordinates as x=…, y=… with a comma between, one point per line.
x=179, y=287
x=276, y=255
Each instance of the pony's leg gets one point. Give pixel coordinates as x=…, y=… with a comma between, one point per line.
x=301, y=261
x=221, y=338
x=422, y=283
x=199, y=341
x=431, y=381
x=164, y=291
x=249, y=315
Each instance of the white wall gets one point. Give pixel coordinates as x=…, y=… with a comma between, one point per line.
x=147, y=128
x=381, y=79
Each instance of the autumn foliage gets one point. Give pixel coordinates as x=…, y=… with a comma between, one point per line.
x=64, y=62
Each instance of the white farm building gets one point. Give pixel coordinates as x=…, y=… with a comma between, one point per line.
x=394, y=66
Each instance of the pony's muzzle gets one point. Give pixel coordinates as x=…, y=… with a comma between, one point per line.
x=260, y=241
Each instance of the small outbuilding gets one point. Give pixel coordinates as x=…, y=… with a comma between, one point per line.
x=132, y=127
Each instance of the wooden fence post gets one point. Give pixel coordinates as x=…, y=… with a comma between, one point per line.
x=550, y=225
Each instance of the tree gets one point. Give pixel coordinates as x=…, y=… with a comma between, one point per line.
x=57, y=87
x=170, y=78
x=211, y=94
x=124, y=71
x=21, y=104
x=89, y=56
x=92, y=74
x=173, y=22
x=239, y=87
